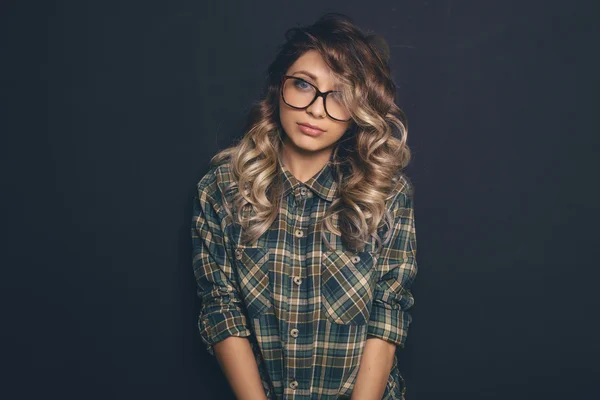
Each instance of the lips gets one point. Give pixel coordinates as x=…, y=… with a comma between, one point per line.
x=308, y=130
x=314, y=127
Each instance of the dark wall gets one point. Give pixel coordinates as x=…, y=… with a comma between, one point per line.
x=112, y=109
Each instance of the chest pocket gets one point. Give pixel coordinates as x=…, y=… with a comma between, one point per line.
x=253, y=278
x=347, y=284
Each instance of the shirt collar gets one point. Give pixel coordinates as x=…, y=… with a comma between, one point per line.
x=322, y=183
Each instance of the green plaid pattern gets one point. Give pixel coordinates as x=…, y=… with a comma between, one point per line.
x=306, y=309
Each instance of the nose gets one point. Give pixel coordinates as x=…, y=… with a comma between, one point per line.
x=317, y=108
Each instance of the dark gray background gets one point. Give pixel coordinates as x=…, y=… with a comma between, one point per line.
x=112, y=109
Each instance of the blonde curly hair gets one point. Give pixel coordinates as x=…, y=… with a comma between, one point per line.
x=369, y=158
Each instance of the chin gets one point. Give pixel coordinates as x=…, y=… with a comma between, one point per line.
x=306, y=143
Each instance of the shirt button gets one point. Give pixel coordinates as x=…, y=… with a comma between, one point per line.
x=303, y=191
x=238, y=254
x=355, y=259
x=294, y=333
x=297, y=280
x=299, y=232
x=229, y=289
x=294, y=384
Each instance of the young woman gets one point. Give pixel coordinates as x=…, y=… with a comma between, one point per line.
x=303, y=232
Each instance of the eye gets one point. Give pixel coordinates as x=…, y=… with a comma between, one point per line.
x=302, y=84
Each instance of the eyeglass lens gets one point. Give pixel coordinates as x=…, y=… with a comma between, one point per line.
x=299, y=93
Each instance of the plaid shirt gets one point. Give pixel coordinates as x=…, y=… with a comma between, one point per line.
x=307, y=310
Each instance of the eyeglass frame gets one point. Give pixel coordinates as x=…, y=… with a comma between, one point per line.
x=318, y=94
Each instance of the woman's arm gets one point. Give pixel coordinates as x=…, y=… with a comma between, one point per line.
x=374, y=370
x=389, y=318
x=222, y=321
x=237, y=361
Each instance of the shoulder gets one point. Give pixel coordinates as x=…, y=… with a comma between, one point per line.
x=403, y=185
x=214, y=186
x=401, y=196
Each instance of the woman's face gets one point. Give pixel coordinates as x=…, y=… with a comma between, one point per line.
x=311, y=67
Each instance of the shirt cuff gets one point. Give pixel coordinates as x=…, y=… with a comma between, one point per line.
x=219, y=325
x=389, y=324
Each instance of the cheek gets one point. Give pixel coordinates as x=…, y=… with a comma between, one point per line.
x=284, y=113
x=341, y=129
x=339, y=134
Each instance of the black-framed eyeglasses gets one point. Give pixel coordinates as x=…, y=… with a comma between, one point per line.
x=300, y=94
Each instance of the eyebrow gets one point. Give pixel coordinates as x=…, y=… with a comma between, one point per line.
x=307, y=74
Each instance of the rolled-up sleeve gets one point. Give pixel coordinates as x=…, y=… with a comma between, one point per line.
x=397, y=266
x=221, y=311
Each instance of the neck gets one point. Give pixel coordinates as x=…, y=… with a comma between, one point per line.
x=304, y=164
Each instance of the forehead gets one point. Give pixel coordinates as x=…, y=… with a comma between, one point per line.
x=311, y=65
